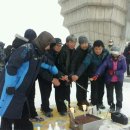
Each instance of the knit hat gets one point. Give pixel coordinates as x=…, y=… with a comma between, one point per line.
x=115, y=50
x=83, y=39
x=30, y=34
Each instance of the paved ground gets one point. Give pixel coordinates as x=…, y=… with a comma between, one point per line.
x=126, y=97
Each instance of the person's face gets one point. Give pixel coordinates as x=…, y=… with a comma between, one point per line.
x=84, y=46
x=57, y=48
x=71, y=44
x=98, y=50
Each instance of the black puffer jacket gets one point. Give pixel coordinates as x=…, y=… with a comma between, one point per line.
x=127, y=53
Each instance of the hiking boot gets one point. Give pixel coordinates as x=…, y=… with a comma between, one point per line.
x=101, y=106
x=63, y=113
x=49, y=110
x=112, y=109
x=118, y=109
x=36, y=119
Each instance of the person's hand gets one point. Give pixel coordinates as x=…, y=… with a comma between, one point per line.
x=64, y=78
x=111, y=72
x=75, y=77
x=94, y=78
x=56, y=82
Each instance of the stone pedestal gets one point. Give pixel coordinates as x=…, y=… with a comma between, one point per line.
x=98, y=19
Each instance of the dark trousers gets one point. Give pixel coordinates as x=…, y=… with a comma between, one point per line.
x=81, y=94
x=118, y=90
x=31, y=102
x=97, y=91
x=62, y=93
x=19, y=124
x=45, y=89
x=128, y=68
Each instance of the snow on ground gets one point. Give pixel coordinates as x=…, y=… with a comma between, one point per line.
x=126, y=97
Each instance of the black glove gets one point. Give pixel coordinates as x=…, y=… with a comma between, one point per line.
x=10, y=90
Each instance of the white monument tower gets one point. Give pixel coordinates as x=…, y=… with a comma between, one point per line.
x=98, y=19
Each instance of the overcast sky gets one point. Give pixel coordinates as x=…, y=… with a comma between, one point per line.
x=18, y=15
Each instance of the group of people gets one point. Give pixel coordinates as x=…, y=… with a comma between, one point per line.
x=48, y=60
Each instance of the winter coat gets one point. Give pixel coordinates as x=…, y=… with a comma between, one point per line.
x=79, y=56
x=65, y=59
x=127, y=53
x=18, y=77
x=92, y=62
x=107, y=66
x=45, y=74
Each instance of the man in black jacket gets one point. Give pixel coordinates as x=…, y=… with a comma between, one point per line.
x=93, y=61
x=82, y=50
x=127, y=55
x=62, y=92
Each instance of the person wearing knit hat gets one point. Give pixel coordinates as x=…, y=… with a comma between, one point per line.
x=114, y=67
x=82, y=50
x=30, y=34
x=115, y=51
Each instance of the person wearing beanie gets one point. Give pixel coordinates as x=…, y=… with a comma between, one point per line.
x=81, y=51
x=114, y=67
x=65, y=58
x=30, y=34
x=17, y=80
x=127, y=55
x=91, y=62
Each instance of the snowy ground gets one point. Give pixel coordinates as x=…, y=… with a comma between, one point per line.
x=126, y=97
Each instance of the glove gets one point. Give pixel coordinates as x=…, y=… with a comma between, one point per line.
x=94, y=78
x=111, y=72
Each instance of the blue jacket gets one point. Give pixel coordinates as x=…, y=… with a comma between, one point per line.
x=108, y=65
x=20, y=73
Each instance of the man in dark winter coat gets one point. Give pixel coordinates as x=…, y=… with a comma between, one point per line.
x=82, y=50
x=46, y=79
x=93, y=60
x=17, y=80
x=127, y=55
x=62, y=92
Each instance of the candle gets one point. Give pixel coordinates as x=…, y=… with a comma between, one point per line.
x=84, y=109
x=12, y=126
x=0, y=121
x=72, y=111
x=38, y=128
